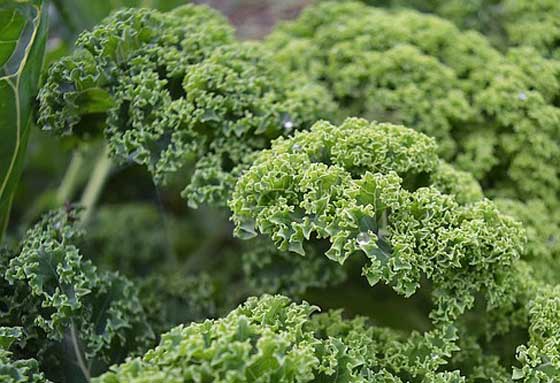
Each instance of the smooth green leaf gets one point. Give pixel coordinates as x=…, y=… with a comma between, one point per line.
x=23, y=37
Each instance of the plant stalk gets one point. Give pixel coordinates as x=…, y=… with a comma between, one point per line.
x=95, y=184
x=69, y=183
x=79, y=357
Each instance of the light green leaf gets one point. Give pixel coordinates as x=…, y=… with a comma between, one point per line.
x=23, y=34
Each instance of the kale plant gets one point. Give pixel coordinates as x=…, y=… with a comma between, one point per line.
x=370, y=193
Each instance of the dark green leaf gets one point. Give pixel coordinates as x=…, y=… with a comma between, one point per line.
x=22, y=47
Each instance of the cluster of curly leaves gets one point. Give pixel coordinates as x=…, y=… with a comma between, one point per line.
x=167, y=89
x=271, y=339
x=174, y=90
x=381, y=189
x=506, y=23
x=65, y=304
x=61, y=304
x=376, y=192
x=490, y=116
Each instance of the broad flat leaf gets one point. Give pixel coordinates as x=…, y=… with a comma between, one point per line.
x=23, y=35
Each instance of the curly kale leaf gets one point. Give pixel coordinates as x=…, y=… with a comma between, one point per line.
x=489, y=113
x=506, y=23
x=271, y=339
x=168, y=89
x=540, y=357
x=368, y=188
x=65, y=300
x=20, y=370
x=533, y=23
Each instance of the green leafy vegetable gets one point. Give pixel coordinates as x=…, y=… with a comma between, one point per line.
x=392, y=168
x=535, y=24
x=166, y=88
x=61, y=298
x=369, y=188
x=540, y=357
x=531, y=23
x=491, y=114
x=273, y=340
x=23, y=35
x=16, y=371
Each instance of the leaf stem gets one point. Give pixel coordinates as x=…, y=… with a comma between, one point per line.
x=5, y=218
x=79, y=357
x=70, y=181
x=95, y=184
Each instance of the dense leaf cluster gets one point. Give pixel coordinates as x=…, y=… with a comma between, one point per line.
x=16, y=371
x=489, y=116
x=271, y=339
x=395, y=169
x=376, y=189
x=531, y=23
x=63, y=301
x=169, y=88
